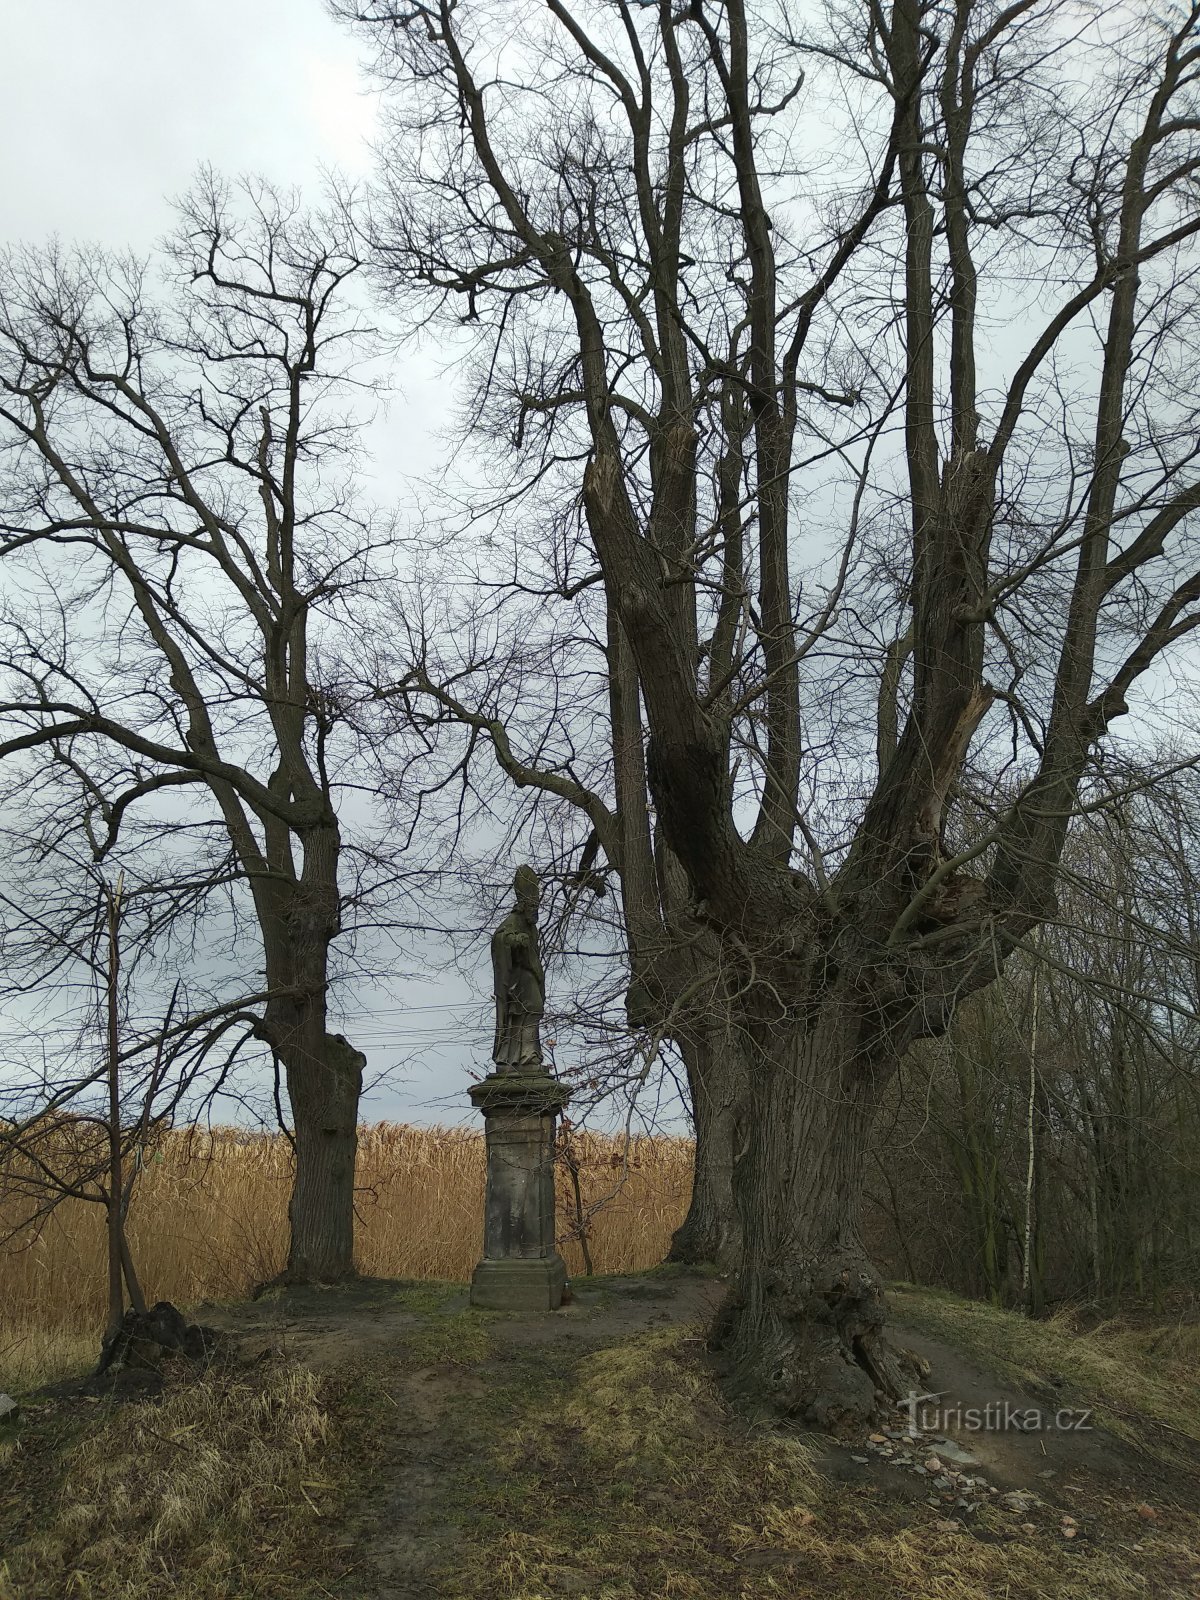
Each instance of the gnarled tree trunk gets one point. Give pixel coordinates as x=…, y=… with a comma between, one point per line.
x=804, y=1328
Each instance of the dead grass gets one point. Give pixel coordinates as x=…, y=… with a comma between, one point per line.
x=1131, y=1371
x=210, y=1491
x=611, y=1472
x=630, y=1477
x=209, y=1222
x=33, y=1353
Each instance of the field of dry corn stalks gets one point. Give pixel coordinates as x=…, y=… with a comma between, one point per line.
x=209, y=1213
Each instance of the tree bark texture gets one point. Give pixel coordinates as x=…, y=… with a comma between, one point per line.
x=116, y=1184
x=716, y=1071
x=804, y=1328
x=324, y=1091
x=675, y=976
x=323, y=1072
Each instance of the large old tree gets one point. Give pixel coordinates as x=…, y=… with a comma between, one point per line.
x=866, y=338
x=184, y=557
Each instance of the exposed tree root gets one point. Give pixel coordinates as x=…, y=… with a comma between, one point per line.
x=816, y=1349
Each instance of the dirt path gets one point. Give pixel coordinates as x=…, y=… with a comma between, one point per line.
x=1018, y=1438
x=326, y=1328
x=373, y=1331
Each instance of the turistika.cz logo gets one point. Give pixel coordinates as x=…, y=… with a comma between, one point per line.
x=997, y=1416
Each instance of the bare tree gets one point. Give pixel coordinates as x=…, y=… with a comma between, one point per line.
x=1101, y=1094
x=708, y=288
x=186, y=562
x=79, y=1121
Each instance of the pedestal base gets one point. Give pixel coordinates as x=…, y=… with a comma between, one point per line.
x=535, y=1283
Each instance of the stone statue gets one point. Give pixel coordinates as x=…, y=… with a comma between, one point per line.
x=519, y=982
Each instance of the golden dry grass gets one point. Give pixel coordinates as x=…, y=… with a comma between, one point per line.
x=209, y=1221
x=213, y=1490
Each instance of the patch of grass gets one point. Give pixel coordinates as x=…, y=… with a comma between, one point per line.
x=1128, y=1372
x=460, y=1338
x=456, y=1463
x=643, y=1406
x=215, y=1489
x=32, y=1354
x=423, y=1297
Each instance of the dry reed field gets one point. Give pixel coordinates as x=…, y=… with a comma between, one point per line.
x=209, y=1221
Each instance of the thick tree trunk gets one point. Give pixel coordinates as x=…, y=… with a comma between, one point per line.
x=711, y=1232
x=324, y=1092
x=300, y=920
x=804, y=1330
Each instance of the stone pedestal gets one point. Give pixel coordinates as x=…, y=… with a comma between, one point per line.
x=521, y=1270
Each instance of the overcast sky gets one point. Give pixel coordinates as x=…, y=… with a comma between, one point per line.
x=141, y=93
x=107, y=107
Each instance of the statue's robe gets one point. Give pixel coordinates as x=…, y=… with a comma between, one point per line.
x=520, y=990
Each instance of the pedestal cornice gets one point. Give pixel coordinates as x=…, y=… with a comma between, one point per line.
x=531, y=1092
